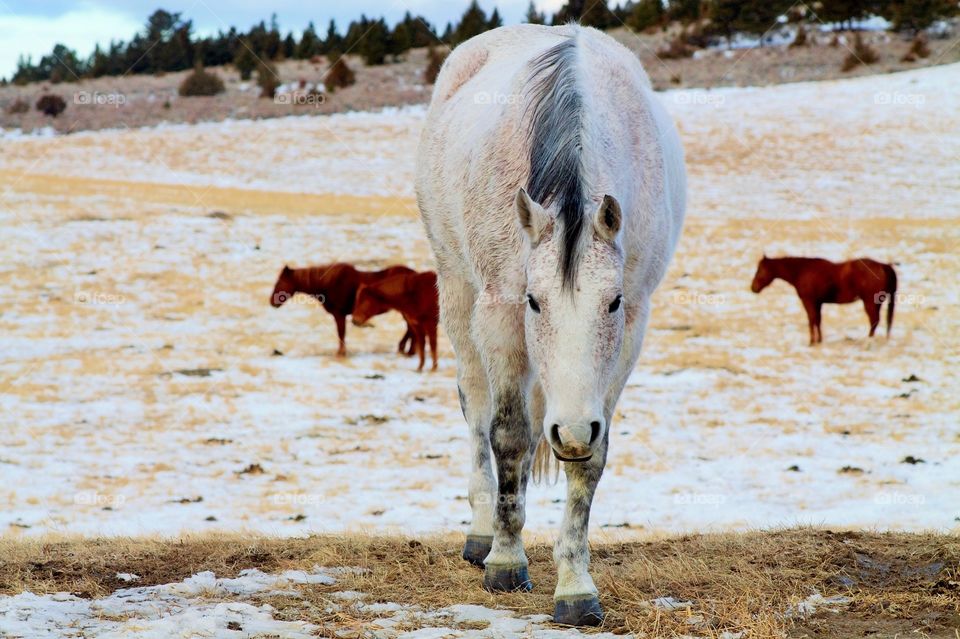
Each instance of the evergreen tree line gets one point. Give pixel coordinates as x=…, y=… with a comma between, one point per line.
x=726, y=17
x=167, y=42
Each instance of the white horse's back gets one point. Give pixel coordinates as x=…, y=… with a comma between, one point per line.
x=476, y=133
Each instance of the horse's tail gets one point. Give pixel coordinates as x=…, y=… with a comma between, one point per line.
x=891, y=290
x=544, y=463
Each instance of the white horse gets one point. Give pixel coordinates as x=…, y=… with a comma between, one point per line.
x=545, y=290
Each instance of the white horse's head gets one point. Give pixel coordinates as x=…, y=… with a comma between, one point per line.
x=574, y=323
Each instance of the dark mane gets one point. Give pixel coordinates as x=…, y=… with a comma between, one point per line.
x=556, y=173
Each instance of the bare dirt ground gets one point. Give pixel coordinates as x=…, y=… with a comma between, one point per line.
x=133, y=101
x=794, y=583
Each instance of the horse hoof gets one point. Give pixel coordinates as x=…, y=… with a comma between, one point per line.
x=506, y=579
x=477, y=548
x=578, y=612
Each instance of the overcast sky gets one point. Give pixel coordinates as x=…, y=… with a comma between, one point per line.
x=34, y=26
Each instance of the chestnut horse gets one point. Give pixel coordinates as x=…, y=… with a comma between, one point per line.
x=414, y=295
x=820, y=282
x=335, y=287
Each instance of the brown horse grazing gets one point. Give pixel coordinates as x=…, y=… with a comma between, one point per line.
x=414, y=296
x=820, y=282
x=335, y=287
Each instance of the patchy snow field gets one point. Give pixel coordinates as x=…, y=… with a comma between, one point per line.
x=146, y=385
x=205, y=606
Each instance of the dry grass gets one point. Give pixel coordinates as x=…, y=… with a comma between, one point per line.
x=897, y=582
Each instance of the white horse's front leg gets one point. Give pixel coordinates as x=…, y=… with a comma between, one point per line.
x=501, y=345
x=457, y=299
x=576, y=600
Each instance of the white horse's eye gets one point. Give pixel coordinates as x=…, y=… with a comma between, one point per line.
x=533, y=304
x=615, y=304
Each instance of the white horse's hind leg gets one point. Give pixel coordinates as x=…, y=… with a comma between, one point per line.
x=576, y=601
x=498, y=331
x=457, y=298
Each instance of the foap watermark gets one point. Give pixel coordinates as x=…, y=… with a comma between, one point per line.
x=301, y=98
x=98, y=298
x=896, y=98
x=700, y=98
x=282, y=297
x=298, y=499
x=495, y=98
x=487, y=298
x=97, y=98
x=93, y=498
x=694, y=298
x=899, y=499
x=900, y=299
x=497, y=498
x=712, y=500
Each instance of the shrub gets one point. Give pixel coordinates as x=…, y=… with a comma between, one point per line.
x=339, y=76
x=800, y=40
x=696, y=35
x=434, y=62
x=18, y=106
x=677, y=48
x=201, y=82
x=918, y=49
x=245, y=62
x=862, y=53
x=51, y=105
x=267, y=80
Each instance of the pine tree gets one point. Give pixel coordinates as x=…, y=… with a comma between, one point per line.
x=332, y=42
x=598, y=15
x=570, y=12
x=271, y=42
x=375, y=44
x=916, y=15
x=401, y=36
x=723, y=17
x=495, y=20
x=309, y=43
x=685, y=11
x=533, y=16
x=759, y=16
x=289, y=46
x=474, y=22
x=447, y=34
x=245, y=61
x=99, y=64
x=646, y=14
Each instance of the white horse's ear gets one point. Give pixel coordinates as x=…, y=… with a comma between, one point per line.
x=607, y=221
x=533, y=218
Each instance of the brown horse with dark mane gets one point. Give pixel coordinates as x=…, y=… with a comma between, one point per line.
x=415, y=296
x=335, y=287
x=820, y=282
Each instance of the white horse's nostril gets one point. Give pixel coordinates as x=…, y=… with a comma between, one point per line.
x=555, y=435
x=594, y=431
